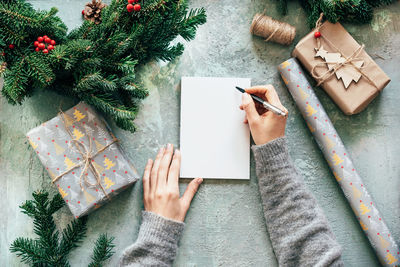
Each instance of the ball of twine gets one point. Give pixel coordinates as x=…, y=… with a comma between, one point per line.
x=272, y=30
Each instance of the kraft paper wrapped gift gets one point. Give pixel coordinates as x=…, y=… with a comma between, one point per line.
x=83, y=158
x=337, y=46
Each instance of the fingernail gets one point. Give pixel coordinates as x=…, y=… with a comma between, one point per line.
x=169, y=146
x=148, y=161
x=199, y=180
x=177, y=151
x=161, y=149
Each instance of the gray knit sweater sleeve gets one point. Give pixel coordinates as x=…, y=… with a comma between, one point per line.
x=298, y=229
x=156, y=244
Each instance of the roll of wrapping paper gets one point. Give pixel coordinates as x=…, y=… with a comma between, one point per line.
x=340, y=163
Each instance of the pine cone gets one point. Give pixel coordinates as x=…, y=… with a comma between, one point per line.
x=3, y=67
x=93, y=11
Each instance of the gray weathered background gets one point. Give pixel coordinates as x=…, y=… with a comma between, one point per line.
x=225, y=225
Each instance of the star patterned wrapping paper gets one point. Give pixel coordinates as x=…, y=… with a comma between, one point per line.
x=340, y=163
x=83, y=189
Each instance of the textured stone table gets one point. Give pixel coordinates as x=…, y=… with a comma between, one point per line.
x=225, y=226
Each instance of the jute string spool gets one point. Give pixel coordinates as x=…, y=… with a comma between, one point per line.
x=272, y=30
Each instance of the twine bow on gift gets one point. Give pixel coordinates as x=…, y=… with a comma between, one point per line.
x=87, y=159
x=347, y=62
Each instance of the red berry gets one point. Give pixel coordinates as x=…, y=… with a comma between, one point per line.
x=130, y=7
x=131, y=1
x=45, y=36
x=45, y=51
x=50, y=47
x=40, y=39
x=317, y=34
x=11, y=46
x=137, y=7
x=37, y=49
x=47, y=40
x=36, y=43
x=136, y=1
x=83, y=12
x=41, y=46
x=53, y=42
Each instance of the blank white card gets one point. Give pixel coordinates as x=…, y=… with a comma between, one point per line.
x=214, y=141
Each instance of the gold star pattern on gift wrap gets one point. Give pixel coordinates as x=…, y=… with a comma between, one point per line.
x=68, y=120
x=33, y=144
x=390, y=258
x=69, y=163
x=364, y=209
x=329, y=143
x=78, y=134
x=89, y=198
x=303, y=95
x=363, y=226
x=98, y=145
x=338, y=178
x=59, y=149
x=383, y=241
x=52, y=175
x=310, y=110
x=78, y=115
x=108, y=163
x=310, y=127
x=108, y=182
x=336, y=159
x=98, y=167
x=286, y=81
x=62, y=192
x=356, y=192
x=285, y=64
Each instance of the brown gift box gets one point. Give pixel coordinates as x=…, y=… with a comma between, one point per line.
x=358, y=95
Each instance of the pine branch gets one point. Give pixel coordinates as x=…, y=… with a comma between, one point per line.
x=15, y=83
x=72, y=236
x=28, y=250
x=354, y=11
x=195, y=18
x=95, y=62
x=102, y=251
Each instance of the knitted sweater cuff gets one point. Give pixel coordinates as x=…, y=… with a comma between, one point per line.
x=158, y=229
x=271, y=154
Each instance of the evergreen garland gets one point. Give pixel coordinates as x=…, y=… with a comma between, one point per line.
x=355, y=11
x=52, y=248
x=95, y=63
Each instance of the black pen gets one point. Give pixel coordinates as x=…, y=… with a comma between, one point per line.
x=265, y=104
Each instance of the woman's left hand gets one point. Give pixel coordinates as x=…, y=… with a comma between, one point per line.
x=161, y=186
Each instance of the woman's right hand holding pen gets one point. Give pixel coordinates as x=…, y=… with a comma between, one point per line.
x=265, y=126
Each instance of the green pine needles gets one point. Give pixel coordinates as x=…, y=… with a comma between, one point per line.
x=355, y=11
x=93, y=63
x=51, y=248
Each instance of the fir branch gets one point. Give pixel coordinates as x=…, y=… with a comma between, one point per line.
x=72, y=236
x=195, y=18
x=102, y=251
x=48, y=249
x=18, y=16
x=15, y=82
x=39, y=68
x=28, y=250
x=95, y=62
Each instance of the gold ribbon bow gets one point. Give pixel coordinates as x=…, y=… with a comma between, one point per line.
x=87, y=159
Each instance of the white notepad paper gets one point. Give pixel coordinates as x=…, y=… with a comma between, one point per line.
x=214, y=141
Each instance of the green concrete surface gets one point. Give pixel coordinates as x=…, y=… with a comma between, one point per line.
x=225, y=225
